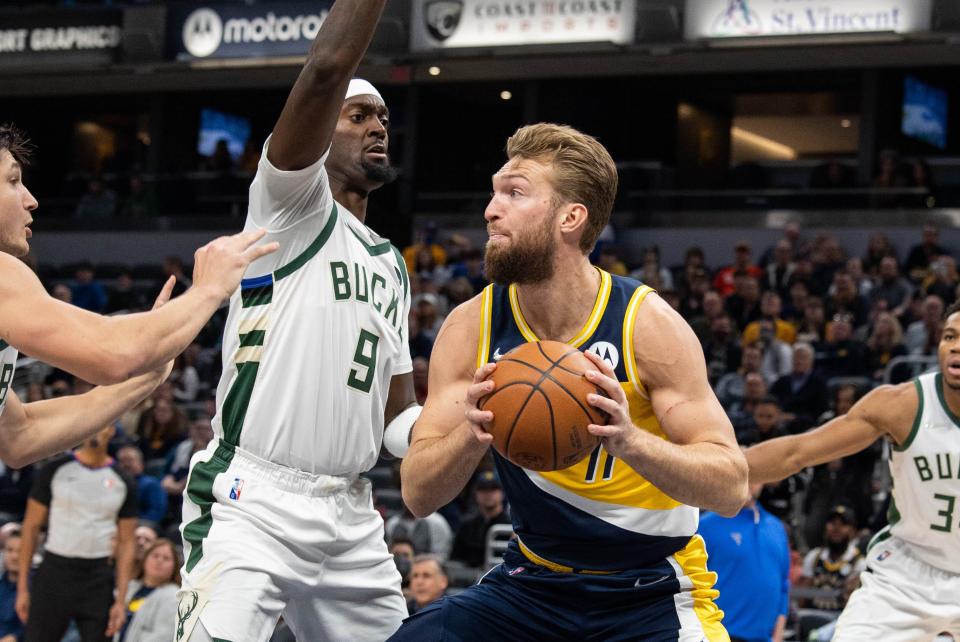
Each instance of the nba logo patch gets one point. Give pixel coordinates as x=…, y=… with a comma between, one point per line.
x=236, y=488
x=884, y=555
x=516, y=571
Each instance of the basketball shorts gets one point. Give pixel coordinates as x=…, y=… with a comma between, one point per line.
x=520, y=600
x=900, y=599
x=263, y=540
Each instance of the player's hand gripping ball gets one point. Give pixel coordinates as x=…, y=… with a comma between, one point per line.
x=539, y=406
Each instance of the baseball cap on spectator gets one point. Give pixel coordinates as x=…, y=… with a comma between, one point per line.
x=487, y=480
x=843, y=512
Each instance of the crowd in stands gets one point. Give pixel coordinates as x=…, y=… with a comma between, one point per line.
x=793, y=334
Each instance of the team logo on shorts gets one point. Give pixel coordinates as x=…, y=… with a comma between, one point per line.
x=516, y=571
x=236, y=488
x=442, y=17
x=884, y=555
x=184, y=610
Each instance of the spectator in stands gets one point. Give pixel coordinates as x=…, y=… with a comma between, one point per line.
x=457, y=290
x=702, y=322
x=828, y=258
x=743, y=305
x=776, y=358
x=885, y=343
x=140, y=201
x=15, y=486
x=123, y=296
x=11, y=628
x=741, y=412
x=801, y=393
x=831, y=175
x=151, y=497
x=86, y=292
x=609, y=260
x=421, y=368
x=99, y=202
x=922, y=336
x=878, y=248
x=844, y=298
x=891, y=287
x=942, y=280
x=920, y=256
x=471, y=267
x=766, y=422
x=693, y=264
x=722, y=349
x=85, y=503
x=793, y=309
x=835, y=565
x=250, y=157
x=421, y=345
x=427, y=308
x=175, y=480
x=691, y=298
x=403, y=554
x=469, y=546
x=770, y=310
x=777, y=273
x=730, y=388
x=173, y=266
x=430, y=534
x=161, y=428
x=62, y=293
x=652, y=272
x=811, y=327
x=841, y=355
x=428, y=581
x=724, y=281
x=890, y=173
x=862, y=282
x=220, y=161
x=152, y=608
x=751, y=557
x=186, y=381
x=425, y=239
x=145, y=536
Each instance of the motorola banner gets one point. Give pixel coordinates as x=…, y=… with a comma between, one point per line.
x=444, y=24
x=752, y=18
x=200, y=30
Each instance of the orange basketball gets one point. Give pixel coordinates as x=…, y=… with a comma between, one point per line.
x=539, y=406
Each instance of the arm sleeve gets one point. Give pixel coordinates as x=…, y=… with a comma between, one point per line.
x=43, y=481
x=131, y=505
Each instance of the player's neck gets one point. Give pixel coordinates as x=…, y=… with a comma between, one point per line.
x=354, y=200
x=558, y=309
x=951, y=397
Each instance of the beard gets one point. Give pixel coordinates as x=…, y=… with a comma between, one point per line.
x=529, y=259
x=383, y=173
x=837, y=548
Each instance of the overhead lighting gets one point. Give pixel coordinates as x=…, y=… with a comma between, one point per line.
x=434, y=71
x=846, y=123
x=778, y=150
x=506, y=95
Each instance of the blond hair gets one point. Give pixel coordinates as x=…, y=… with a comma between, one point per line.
x=583, y=171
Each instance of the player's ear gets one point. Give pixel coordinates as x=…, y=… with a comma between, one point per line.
x=573, y=217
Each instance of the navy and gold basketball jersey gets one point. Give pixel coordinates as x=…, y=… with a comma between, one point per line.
x=599, y=514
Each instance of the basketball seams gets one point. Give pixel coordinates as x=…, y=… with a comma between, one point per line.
x=553, y=425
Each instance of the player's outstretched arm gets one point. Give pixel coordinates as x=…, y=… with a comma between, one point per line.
x=107, y=350
x=448, y=439
x=887, y=410
x=309, y=117
x=699, y=463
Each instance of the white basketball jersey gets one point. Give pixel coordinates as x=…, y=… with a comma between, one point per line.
x=315, y=332
x=8, y=363
x=925, y=507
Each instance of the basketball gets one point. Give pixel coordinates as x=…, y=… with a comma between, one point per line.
x=539, y=406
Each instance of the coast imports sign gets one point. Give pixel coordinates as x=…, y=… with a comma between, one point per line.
x=746, y=18
x=442, y=24
x=61, y=32
x=232, y=31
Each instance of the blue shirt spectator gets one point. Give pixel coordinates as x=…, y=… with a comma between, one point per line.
x=86, y=292
x=150, y=494
x=10, y=624
x=751, y=557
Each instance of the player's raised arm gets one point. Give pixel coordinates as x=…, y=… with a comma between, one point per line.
x=309, y=117
x=888, y=410
x=448, y=441
x=106, y=350
x=699, y=463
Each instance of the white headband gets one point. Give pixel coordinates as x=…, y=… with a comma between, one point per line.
x=359, y=86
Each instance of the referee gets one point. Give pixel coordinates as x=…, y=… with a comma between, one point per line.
x=84, y=501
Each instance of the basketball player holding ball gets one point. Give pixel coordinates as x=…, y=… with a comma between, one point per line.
x=605, y=549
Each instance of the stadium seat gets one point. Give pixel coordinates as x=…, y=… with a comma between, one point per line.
x=498, y=537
